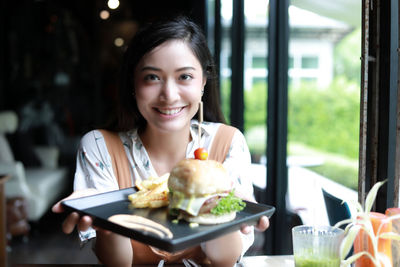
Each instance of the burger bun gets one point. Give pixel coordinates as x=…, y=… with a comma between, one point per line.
x=209, y=218
x=194, y=177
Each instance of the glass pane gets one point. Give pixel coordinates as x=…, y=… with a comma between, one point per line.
x=255, y=98
x=211, y=25
x=255, y=81
x=323, y=109
x=225, y=57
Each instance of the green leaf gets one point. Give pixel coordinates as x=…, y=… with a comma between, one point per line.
x=394, y=217
x=348, y=240
x=338, y=224
x=369, y=201
x=228, y=204
x=390, y=235
x=355, y=257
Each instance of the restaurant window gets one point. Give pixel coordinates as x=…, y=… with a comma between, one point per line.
x=255, y=83
x=324, y=78
x=225, y=57
x=323, y=128
x=255, y=72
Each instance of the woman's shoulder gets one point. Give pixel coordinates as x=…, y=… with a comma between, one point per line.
x=92, y=134
x=91, y=137
x=99, y=134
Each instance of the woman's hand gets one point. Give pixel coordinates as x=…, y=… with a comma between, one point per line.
x=74, y=219
x=111, y=249
x=261, y=226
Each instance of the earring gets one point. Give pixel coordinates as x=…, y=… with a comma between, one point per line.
x=202, y=92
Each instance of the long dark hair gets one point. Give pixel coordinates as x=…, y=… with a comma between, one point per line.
x=145, y=40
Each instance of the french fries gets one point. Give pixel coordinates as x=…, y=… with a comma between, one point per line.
x=153, y=193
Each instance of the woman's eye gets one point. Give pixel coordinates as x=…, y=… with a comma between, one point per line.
x=185, y=77
x=151, y=77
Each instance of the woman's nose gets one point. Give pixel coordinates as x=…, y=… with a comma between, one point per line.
x=170, y=91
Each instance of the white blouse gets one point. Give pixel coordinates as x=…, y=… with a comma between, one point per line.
x=94, y=168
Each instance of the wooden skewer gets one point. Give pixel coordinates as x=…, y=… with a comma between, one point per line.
x=200, y=120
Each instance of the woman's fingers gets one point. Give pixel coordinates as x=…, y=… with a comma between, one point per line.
x=245, y=229
x=58, y=208
x=74, y=219
x=263, y=224
x=70, y=222
x=84, y=223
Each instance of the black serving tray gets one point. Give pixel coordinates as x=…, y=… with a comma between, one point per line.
x=101, y=206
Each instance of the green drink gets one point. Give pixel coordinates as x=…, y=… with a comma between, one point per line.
x=316, y=246
x=315, y=261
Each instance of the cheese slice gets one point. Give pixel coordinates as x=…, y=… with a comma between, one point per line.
x=190, y=205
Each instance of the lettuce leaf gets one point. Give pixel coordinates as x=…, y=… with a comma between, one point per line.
x=228, y=204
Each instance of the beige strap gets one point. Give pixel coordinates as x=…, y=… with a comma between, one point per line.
x=119, y=160
x=222, y=143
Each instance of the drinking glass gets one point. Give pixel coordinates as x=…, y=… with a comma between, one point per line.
x=317, y=246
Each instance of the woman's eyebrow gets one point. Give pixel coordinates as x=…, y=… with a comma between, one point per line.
x=158, y=69
x=185, y=68
x=150, y=68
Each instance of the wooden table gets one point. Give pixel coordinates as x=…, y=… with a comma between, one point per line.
x=268, y=261
x=3, y=222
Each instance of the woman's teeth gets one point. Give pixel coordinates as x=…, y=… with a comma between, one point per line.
x=169, y=111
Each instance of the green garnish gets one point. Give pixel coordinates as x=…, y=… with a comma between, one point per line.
x=228, y=204
x=173, y=212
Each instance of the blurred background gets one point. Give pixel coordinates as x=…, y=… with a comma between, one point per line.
x=60, y=63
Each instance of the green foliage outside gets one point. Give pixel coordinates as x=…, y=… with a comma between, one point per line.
x=326, y=119
x=323, y=122
x=255, y=102
x=226, y=98
x=347, y=57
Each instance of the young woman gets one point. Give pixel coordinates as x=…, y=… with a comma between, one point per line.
x=167, y=71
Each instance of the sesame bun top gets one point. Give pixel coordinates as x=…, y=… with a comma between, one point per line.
x=194, y=177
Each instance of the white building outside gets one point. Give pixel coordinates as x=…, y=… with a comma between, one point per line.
x=311, y=46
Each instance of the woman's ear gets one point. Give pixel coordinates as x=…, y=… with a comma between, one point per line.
x=204, y=81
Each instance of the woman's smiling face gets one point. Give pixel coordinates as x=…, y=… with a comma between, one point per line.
x=168, y=82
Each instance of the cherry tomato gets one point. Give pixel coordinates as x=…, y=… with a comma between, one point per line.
x=201, y=154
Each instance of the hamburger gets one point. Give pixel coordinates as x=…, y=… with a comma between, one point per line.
x=200, y=191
